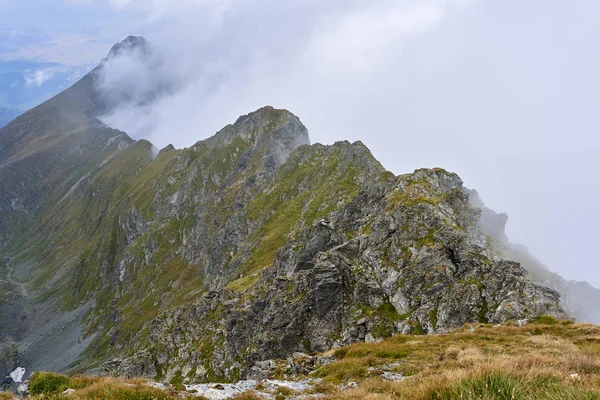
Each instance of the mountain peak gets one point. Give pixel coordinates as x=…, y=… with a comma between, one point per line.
x=130, y=43
x=277, y=130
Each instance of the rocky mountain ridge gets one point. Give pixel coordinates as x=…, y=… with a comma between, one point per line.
x=196, y=264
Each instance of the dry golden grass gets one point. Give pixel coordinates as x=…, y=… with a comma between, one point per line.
x=554, y=360
x=113, y=389
x=96, y=388
x=6, y=396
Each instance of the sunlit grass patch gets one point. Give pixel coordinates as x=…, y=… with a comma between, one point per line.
x=546, y=360
x=117, y=390
x=48, y=383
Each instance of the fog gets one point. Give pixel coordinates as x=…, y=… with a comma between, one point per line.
x=504, y=93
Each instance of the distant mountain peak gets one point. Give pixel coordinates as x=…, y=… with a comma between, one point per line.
x=128, y=44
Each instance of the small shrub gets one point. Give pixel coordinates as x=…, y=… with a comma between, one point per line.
x=341, y=353
x=488, y=386
x=546, y=320
x=82, y=381
x=114, y=390
x=343, y=369
x=387, y=349
x=418, y=330
x=585, y=363
x=47, y=383
x=451, y=353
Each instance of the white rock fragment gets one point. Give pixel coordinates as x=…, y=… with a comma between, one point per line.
x=23, y=389
x=296, y=386
x=348, y=386
x=391, y=376
x=17, y=375
x=369, y=338
x=221, y=391
x=157, y=385
x=224, y=391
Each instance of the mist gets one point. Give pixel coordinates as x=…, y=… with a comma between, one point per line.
x=502, y=93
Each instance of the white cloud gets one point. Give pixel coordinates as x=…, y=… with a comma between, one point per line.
x=159, y=9
x=360, y=40
x=260, y=52
x=38, y=77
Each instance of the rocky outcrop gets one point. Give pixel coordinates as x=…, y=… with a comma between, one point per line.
x=402, y=256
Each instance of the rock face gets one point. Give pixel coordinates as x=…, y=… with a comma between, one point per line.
x=199, y=264
x=401, y=256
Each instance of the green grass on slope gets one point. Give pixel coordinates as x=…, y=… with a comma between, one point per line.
x=303, y=191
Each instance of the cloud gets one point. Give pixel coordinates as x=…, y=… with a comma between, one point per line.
x=38, y=77
x=236, y=65
x=355, y=42
x=157, y=10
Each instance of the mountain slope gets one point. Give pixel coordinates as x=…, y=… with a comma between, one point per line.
x=7, y=115
x=195, y=264
x=45, y=154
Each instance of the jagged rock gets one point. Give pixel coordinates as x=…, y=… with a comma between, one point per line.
x=141, y=364
x=168, y=149
x=416, y=245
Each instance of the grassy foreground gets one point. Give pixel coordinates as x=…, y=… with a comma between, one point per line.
x=546, y=359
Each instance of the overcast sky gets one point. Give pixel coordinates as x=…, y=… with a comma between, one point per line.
x=505, y=93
